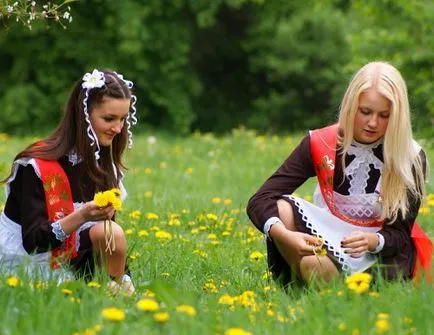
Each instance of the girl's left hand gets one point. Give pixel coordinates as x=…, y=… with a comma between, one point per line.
x=358, y=243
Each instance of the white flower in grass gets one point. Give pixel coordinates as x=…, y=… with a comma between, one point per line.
x=96, y=79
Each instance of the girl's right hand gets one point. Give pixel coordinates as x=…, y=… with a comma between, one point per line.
x=91, y=212
x=300, y=243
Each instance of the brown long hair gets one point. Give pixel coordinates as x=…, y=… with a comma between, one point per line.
x=71, y=135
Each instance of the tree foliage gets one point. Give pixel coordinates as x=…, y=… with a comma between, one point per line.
x=215, y=64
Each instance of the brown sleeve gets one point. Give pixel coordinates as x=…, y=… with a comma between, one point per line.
x=296, y=169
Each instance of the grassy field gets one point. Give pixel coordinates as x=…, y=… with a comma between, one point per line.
x=198, y=264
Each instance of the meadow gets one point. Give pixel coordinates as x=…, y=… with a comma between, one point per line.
x=198, y=264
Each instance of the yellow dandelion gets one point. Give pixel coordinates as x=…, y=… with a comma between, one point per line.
x=148, y=170
x=94, y=284
x=117, y=192
x=113, y=199
x=374, y=294
x=113, y=314
x=237, y=331
x=189, y=170
x=227, y=201
x=382, y=326
x=266, y=275
x=216, y=200
x=211, y=217
x=383, y=316
x=13, y=281
x=186, y=309
x=161, y=317
x=147, y=305
x=423, y=210
x=135, y=215
x=66, y=291
x=163, y=235
x=143, y=233
x=256, y=256
x=148, y=194
x=100, y=199
x=359, y=282
x=226, y=299
x=174, y=222
x=151, y=216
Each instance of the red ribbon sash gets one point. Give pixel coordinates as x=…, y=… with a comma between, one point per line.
x=323, y=151
x=58, y=199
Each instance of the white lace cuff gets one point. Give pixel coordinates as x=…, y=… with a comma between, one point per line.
x=267, y=226
x=380, y=244
x=58, y=231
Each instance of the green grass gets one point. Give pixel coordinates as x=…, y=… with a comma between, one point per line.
x=204, y=259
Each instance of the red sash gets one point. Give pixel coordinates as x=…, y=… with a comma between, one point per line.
x=323, y=151
x=58, y=199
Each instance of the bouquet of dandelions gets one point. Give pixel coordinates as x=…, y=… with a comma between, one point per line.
x=102, y=199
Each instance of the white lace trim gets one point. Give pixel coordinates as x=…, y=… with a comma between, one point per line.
x=15, y=165
x=358, y=206
x=358, y=170
x=331, y=230
x=310, y=224
x=58, y=231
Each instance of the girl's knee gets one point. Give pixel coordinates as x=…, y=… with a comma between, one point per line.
x=286, y=214
x=98, y=234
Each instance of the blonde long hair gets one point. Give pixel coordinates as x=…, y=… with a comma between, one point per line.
x=403, y=175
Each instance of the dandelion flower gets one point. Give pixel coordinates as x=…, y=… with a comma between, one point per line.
x=13, y=281
x=256, y=256
x=100, y=199
x=113, y=314
x=237, y=331
x=147, y=305
x=66, y=291
x=359, y=282
x=161, y=317
x=93, y=284
x=382, y=326
x=186, y=309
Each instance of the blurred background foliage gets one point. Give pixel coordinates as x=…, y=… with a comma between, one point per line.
x=212, y=65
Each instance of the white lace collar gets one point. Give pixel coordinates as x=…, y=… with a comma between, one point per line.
x=359, y=168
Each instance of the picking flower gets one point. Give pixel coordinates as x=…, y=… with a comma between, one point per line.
x=103, y=199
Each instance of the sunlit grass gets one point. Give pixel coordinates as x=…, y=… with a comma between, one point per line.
x=198, y=263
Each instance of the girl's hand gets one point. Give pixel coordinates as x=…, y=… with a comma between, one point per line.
x=299, y=243
x=91, y=212
x=358, y=243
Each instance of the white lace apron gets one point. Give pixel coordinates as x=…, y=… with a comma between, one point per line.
x=358, y=204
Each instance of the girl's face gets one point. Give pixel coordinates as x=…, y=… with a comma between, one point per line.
x=372, y=117
x=108, y=119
